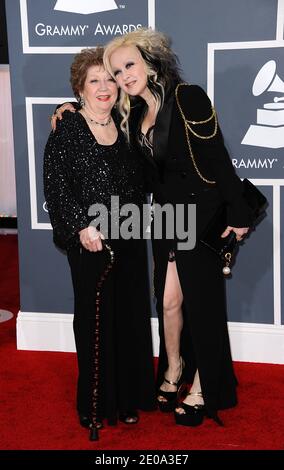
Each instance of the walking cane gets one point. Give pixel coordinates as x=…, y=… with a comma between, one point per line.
x=94, y=432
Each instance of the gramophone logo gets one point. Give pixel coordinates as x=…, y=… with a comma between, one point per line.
x=269, y=128
x=85, y=7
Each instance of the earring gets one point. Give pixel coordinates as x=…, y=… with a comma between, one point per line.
x=81, y=101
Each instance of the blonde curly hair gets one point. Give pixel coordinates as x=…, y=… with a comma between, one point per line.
x=162, y=66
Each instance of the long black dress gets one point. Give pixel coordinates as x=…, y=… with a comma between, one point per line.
x=172, y=177
x=79, y=172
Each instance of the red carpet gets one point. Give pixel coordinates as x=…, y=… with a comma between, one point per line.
x=37, y=398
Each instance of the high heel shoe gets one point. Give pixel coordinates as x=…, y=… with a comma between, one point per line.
x=170, y=398
x=129, y=417
x=192, y=415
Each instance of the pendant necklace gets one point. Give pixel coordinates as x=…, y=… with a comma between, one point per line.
x=93, y=121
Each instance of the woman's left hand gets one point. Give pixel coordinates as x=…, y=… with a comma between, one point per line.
x=240, y=232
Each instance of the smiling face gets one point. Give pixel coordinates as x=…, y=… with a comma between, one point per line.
x=129, y=70
x=100, y=89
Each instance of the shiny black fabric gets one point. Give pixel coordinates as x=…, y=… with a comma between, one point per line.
x=79, y=172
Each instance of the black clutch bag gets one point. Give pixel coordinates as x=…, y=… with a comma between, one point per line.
x=224, y=247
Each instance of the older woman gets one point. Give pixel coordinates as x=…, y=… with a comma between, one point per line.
x=87, y=161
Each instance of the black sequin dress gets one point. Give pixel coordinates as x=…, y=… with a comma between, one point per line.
x=79, y=172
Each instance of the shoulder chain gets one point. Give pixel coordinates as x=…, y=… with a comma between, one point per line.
x=187, y=127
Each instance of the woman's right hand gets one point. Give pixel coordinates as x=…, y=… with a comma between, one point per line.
x=58, y=114
x=91, y=239
x=240, y=232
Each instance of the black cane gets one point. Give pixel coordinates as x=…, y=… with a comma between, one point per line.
x=94, y=432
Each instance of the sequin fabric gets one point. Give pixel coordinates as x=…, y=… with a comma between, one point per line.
x=80, y=172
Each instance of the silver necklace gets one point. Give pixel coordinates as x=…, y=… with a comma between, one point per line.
x=93, y=121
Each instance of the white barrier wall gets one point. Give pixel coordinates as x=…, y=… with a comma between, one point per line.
x=7, y=165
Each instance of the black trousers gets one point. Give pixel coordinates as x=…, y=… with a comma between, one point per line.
x=126, y=373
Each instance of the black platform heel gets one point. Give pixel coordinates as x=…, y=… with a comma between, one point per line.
x=193, y=415
x=170, y=402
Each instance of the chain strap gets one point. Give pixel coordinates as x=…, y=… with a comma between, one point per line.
x=188, y=122
x=188, y=128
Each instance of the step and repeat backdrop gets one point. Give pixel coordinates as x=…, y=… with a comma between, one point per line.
x=235, y=51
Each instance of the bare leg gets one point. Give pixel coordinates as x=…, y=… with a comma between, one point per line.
x=173, y=323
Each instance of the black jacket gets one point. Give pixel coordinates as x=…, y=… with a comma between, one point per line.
x=171, y=174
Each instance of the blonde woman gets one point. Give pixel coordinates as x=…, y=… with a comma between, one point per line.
x=186, y=162
x=177, y=130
